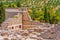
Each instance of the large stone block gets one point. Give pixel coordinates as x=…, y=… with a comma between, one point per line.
x=6, y=39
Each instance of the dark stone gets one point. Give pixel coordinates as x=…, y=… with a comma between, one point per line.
x=6, y=39
x=13, y=39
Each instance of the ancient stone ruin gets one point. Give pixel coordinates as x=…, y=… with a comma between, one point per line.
x=19, y=18
x=19, y=25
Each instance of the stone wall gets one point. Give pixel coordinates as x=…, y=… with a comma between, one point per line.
x=25, y=27
x=10, y=14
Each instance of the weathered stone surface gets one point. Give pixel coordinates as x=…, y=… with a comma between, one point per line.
x=13, y=39
x=6, y=39
x=50, y=34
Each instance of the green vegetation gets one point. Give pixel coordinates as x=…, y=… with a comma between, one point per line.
x=2, y=13
x=41, y=10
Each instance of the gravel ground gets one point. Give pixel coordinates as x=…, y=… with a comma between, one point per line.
x=51, y=34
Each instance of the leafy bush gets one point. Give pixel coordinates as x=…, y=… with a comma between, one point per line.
x=2, y=13
x=39, y=9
